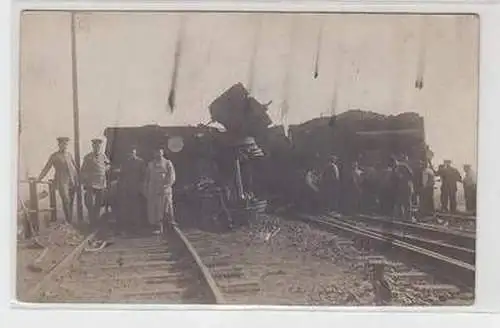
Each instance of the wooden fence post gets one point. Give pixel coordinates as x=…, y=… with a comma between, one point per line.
x=33, y=205
x=52, y=201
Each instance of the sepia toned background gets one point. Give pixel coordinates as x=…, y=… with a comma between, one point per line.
x=125, y=62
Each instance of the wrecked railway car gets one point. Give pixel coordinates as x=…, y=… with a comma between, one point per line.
x=368, y=138
x=257, y=161
x=361, y=136
x=188, y=147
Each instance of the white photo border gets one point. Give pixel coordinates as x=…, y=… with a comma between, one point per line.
x=487, y=299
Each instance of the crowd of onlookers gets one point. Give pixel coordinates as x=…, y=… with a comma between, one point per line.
x=399, y=188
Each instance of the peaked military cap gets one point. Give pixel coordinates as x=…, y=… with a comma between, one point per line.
x=62, y=139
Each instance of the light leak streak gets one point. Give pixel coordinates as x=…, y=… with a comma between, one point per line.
x=422, y=53
x=255, y=49
x=319, y=43
x=285, y=107
x=337, y=75
x=175, y=72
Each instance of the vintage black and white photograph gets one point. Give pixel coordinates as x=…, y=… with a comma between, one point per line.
x=247, y=158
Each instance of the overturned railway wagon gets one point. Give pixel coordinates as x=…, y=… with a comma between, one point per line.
x=360, y=135
x=196, y=152
x=188, y=147
x=366, y=137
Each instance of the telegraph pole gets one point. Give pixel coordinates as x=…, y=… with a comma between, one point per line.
x=76, y=114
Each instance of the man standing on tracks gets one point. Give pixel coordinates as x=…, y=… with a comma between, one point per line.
x=330, y=181
x=449, y=179
x=93, y=178
x=427, y=191
x=160, y=177
x=470, y=189
x=131, y=204
x=354, y=183
x=403, y=184
x=65, y=178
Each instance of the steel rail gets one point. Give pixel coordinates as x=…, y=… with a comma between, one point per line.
x=459, y=253
x=451, y=237
x=463, y=217
x=444, y=267
x=205, y=272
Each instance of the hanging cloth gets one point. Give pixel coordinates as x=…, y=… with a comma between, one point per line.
x=175, y=71
x=422, y=53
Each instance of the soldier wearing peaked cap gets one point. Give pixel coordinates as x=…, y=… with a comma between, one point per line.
x=65, y=177
x=93, y=177
x=449, y=179
x=427, y=191
x=132, y=206
x=470, y=188
x=330, y=183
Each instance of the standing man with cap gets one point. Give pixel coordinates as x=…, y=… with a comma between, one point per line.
x=470, y=188
x=65, y=177
x=427, y=190
x=403, y=187
x=160, y=177
x=130, y=183
x=93, y=178
x=449, y=178
x=330, y=181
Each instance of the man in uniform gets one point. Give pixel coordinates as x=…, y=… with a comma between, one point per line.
x=65, y=178
x=330, y=181
x=427, y=191
x=470, y=189
x=311, y=195
x=93, y=178
x=354, y=185
x=160, y=177
x=449, y=179
x=403, y=185
x=131, y=202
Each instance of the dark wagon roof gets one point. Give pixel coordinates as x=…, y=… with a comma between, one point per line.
x=354, y=132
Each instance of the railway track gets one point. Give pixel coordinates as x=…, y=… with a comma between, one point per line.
x=441, y=234
x=287, y=263
x=453, y=244
x=443, y=268
x=267, y=269
x=135, y=268
x=462, y=222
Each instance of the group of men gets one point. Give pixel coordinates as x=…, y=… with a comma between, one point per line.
x=142, y=190
x=398, y=189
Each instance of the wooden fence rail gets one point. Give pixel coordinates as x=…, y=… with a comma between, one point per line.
x=31, y=214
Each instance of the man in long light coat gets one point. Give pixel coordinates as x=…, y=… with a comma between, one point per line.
x=159, y=179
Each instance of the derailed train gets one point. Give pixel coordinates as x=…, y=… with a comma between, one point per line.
x=276, y=170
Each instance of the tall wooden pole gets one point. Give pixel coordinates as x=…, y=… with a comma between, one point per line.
x=76, y=114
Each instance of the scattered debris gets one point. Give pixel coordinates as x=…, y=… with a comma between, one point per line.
x=96, y=245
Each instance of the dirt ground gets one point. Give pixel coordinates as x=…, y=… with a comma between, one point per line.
x=300, y=265
x=37, y=257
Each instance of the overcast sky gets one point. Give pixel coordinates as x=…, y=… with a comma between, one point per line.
x=125, y=61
